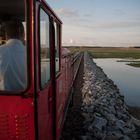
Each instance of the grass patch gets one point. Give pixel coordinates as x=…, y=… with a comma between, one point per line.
x=137, y=65
x=129, y=60
x=135, y=55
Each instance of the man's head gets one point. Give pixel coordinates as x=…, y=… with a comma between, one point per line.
x=14, y=30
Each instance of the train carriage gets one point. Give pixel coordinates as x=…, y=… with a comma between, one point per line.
x=36, y=77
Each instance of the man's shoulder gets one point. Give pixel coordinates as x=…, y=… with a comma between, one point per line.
x=3, y=47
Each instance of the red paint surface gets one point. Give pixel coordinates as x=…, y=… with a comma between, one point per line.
x=16, y=118
x=17, y=114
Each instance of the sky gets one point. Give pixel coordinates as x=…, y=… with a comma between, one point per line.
x=113, y=23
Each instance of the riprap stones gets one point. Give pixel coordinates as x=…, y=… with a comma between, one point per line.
x=105, y=112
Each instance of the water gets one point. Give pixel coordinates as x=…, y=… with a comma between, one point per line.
x=127, y=78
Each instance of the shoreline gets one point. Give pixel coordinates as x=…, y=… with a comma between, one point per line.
x=134, y=111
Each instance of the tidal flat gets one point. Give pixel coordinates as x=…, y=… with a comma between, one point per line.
x=134, y=64
x=131, y=62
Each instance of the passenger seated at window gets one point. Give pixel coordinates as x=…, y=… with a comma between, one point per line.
x=13, y=57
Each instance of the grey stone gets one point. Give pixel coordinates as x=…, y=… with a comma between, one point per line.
x=120, y=124
x=135, y=121
x=85, y=138
x=111, y=138
x=116, y=133
x=126, y=138
x=99, y=123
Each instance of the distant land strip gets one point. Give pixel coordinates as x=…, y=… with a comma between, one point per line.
x=109, y=52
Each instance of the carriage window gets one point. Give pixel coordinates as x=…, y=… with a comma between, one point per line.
x=13, y=46
x=56, y=48
x=44, y=48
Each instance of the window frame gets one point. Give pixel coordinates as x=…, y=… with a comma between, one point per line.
x=28, y=22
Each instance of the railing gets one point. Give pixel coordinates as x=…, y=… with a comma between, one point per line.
x=77, y=58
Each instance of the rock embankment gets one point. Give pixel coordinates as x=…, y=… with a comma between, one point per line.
x=103, y=107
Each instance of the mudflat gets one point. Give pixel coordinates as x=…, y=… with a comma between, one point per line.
x=134, y=111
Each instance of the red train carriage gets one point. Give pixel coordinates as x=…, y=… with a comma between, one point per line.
x=35, y=77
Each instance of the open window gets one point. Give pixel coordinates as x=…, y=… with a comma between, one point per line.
x=13, y=46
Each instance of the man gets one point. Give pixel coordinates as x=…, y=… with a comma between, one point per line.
x=13, y=57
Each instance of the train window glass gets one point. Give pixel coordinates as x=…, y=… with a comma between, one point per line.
x=13, y=46
x=44, y=48
x=57, y=63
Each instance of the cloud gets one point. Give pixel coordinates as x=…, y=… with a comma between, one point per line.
x=118, y=12
x=67, y=13
x=87, y=15
x=123, y=24
x=115, y=25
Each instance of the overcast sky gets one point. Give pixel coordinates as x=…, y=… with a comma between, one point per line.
x=99, y=22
